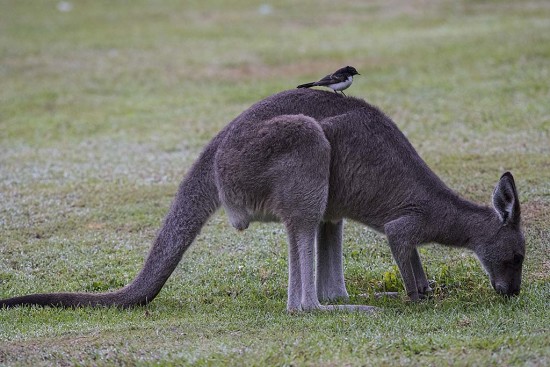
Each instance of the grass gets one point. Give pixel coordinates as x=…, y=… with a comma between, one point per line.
x=104, y=108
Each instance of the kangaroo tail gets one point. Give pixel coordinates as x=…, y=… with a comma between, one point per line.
x=307, y=85
x=196, y=200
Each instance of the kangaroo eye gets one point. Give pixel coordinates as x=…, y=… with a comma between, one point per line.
x=518, y=259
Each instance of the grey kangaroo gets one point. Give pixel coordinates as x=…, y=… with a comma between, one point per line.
x=309, y=159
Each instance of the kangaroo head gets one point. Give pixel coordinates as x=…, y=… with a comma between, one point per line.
x=502, y=248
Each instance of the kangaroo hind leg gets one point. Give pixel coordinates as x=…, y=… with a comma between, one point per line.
x=330, y=271
x=302, y=294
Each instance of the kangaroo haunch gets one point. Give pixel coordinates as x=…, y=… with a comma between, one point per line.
x=310, y=159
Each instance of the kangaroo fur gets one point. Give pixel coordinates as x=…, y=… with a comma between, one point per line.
x=309, y=159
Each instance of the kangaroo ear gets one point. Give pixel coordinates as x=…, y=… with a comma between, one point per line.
x=506, y=201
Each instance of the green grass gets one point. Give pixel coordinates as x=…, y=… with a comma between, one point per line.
x=105, y=107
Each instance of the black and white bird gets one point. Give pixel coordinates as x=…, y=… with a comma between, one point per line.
x=338, y=81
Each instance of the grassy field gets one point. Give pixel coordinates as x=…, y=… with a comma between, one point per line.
x=104, y=105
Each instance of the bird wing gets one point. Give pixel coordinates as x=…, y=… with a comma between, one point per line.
x=332, y=79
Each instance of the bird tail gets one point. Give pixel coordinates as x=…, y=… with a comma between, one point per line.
x=307, y=85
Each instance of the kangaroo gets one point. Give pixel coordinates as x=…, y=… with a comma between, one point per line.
x=311, y=159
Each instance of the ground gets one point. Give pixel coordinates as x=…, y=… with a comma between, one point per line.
x=104, y=106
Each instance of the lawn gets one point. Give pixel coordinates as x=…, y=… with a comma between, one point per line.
x=104, y=105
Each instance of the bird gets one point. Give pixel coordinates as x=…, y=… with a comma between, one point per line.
x=338, y=81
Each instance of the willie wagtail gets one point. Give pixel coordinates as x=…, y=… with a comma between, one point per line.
x=338, y=81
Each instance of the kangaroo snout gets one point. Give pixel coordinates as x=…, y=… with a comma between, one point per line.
x=505, y=289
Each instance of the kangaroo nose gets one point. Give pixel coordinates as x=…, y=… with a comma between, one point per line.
x=513, y=292
x=505, y=290
x=501, y=289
